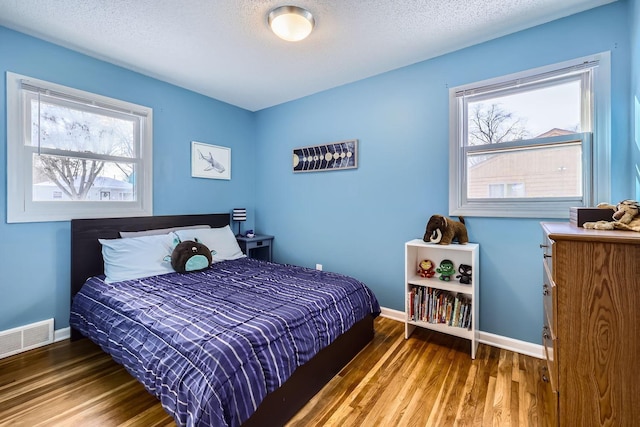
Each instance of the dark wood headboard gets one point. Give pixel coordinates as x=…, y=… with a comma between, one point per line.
x=86, y=251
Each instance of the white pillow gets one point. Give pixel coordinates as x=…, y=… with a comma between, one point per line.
x=159, y=231
x=136, y=257
x=221, y=242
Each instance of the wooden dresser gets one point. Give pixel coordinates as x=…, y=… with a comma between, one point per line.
x=592, y=325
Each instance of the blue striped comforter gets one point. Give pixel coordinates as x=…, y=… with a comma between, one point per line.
x=211, y=344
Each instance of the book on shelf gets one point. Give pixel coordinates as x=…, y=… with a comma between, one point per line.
x=438, y=306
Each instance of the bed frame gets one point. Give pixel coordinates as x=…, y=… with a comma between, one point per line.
x=278, y=407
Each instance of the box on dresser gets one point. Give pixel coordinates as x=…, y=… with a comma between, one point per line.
x=578, y=216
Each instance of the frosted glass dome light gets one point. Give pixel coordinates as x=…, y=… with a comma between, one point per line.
x=291, y=23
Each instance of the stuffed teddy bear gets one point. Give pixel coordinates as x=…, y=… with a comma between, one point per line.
x=443, y=230
x=426, y=268
x=190, y=255
x=625, y=217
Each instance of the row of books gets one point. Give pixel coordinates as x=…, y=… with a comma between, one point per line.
x=439, y=306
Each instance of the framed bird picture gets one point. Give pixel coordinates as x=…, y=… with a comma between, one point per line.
x=210, y=161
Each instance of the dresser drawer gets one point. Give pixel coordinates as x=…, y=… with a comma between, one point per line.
x=547, y=252
x=549, y=372
x=550, y=347
x=549, y=401
x=549, y=299
x=252, y=244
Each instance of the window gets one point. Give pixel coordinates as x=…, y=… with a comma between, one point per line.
x=74, y=154
x=532, y=144
x=501, y=190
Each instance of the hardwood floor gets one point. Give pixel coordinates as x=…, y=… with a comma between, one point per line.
x=427, y=380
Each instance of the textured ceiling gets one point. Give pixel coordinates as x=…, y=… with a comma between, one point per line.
x=224, y=49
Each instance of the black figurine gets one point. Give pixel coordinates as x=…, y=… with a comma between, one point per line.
x=465, y=274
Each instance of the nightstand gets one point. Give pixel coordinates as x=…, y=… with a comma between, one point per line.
x=258, y=247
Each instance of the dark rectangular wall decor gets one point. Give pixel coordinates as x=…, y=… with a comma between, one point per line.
x=326, y=157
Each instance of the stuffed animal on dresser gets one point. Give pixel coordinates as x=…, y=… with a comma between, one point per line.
x=443, y=230
x=626, y=217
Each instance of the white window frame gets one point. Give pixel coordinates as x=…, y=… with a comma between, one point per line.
x=596, y=147
x=20, y=204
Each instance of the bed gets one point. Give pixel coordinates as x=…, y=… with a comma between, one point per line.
x=279, y=368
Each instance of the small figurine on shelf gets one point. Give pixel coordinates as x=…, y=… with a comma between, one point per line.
x=446, y=270
x=426, y=268
x=465, y=274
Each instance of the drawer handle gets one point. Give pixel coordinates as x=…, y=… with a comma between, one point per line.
x=543, y=374
x=543, y=246
x=545, y=333
x=546, y=256
x=545, y=289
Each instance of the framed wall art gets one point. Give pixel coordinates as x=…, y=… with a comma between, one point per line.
x=326, y=157
x=210, y=161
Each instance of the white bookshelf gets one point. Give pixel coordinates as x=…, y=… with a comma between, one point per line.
x=418, y=250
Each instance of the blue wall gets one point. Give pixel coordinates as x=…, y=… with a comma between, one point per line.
x=356, y=221
x=634, y=15
x=34, y=260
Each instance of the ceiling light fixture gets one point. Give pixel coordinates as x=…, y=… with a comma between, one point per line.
x=291, y=23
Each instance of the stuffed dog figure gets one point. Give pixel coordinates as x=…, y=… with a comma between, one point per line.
x=626, y=217
x=443, y=230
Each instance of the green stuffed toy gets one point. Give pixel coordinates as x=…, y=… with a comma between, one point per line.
x=446, y=270
x=189, y=255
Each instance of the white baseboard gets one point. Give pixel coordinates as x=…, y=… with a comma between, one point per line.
x=522, y=347
x=61, y=334
x=392, y=314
